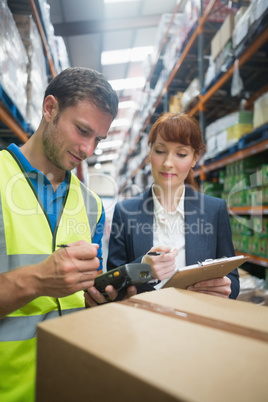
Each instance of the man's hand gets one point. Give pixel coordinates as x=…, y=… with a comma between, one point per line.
x=220, y=287
x=162, y=265
x=94, y=298
x=68, y=270
x=63, y=273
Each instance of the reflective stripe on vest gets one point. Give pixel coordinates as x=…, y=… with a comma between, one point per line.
x=14, y=328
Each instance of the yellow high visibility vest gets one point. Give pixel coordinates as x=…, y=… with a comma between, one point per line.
x=26, y=238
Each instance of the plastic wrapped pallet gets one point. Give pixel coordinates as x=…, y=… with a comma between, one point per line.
x=13, y=60
x=62, y=52
x=49, y=29
x=241, y=28
x=36, y=68
x=162, y=28
x=190, y=95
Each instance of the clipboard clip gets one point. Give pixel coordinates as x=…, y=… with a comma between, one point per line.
x=210, y=261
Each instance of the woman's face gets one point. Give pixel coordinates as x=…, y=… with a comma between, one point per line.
x=171, y=163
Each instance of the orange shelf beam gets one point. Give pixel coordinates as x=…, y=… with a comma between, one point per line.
x=9, y=121
x=254, y=258
x=249, y=210
x=251, y=50
x=241, y=154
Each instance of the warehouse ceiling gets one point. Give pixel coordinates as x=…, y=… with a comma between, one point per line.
x=90, y=27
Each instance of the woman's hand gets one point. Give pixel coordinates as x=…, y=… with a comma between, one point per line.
x=220, y=287
x=162, y=265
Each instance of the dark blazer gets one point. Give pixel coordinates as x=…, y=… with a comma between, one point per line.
x=207, y=231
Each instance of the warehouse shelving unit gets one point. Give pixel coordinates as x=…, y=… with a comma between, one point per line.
x=187, y=65
x=211, y=96
x=214, y=100
x=12, y=125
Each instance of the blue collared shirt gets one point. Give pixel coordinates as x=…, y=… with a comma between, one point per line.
x=52, y=200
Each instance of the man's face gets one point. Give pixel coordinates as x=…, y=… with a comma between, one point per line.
x=72, y=136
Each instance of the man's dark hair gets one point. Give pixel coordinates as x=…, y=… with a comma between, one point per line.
x=78, y=83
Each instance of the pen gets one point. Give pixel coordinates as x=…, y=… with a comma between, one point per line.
x=156, y=252
x=66, y=245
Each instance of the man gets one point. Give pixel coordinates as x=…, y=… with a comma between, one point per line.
x=44, y=207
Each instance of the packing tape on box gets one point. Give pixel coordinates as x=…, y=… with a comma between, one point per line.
x=197, y=319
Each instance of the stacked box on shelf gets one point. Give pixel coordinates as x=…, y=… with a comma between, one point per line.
x=265, y=195
x=248, y=165
x=262, y=174
x=260, y=111
x=175, y=102
x=220, y=11
x=259, y=196
x=253, y=245
x=260, y=225
x=253, y=13
x=212, y=189
x=241, y=225
x=36, y=68
x=190, y=95
x=250, y=234
x=221, y=43
x=238, y=198
x=13, y=60
x=263, y=248
x=235, y=132
x=226, y=131
x=245, y=183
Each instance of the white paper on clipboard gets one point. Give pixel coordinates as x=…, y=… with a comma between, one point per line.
x=202, y=271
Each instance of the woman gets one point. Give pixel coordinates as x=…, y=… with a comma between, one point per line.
x=172, y=217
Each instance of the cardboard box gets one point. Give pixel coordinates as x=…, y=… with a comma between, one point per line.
x=216, y=46
x=168, y=345
x=226, y=30
x=260, y=111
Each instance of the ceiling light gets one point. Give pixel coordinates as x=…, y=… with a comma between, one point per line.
x=109, y=144
x=120, y=123
x=128, y=83
x=105, y=158
x=139, y=53
x=127, y=105
x=115, y=56
x=117, y=1
x=97, y=166
x=125, y=55
x=98, y=151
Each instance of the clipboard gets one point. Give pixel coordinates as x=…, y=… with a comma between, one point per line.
x=202, y=271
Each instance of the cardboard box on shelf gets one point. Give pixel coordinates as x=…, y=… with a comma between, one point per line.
x=168, y=345
x=226, y=30
x=260, y=111
x=216, y=46
x=234, y=133
x=175, y=103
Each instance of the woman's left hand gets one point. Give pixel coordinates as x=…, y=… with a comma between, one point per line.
x=220, y=287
